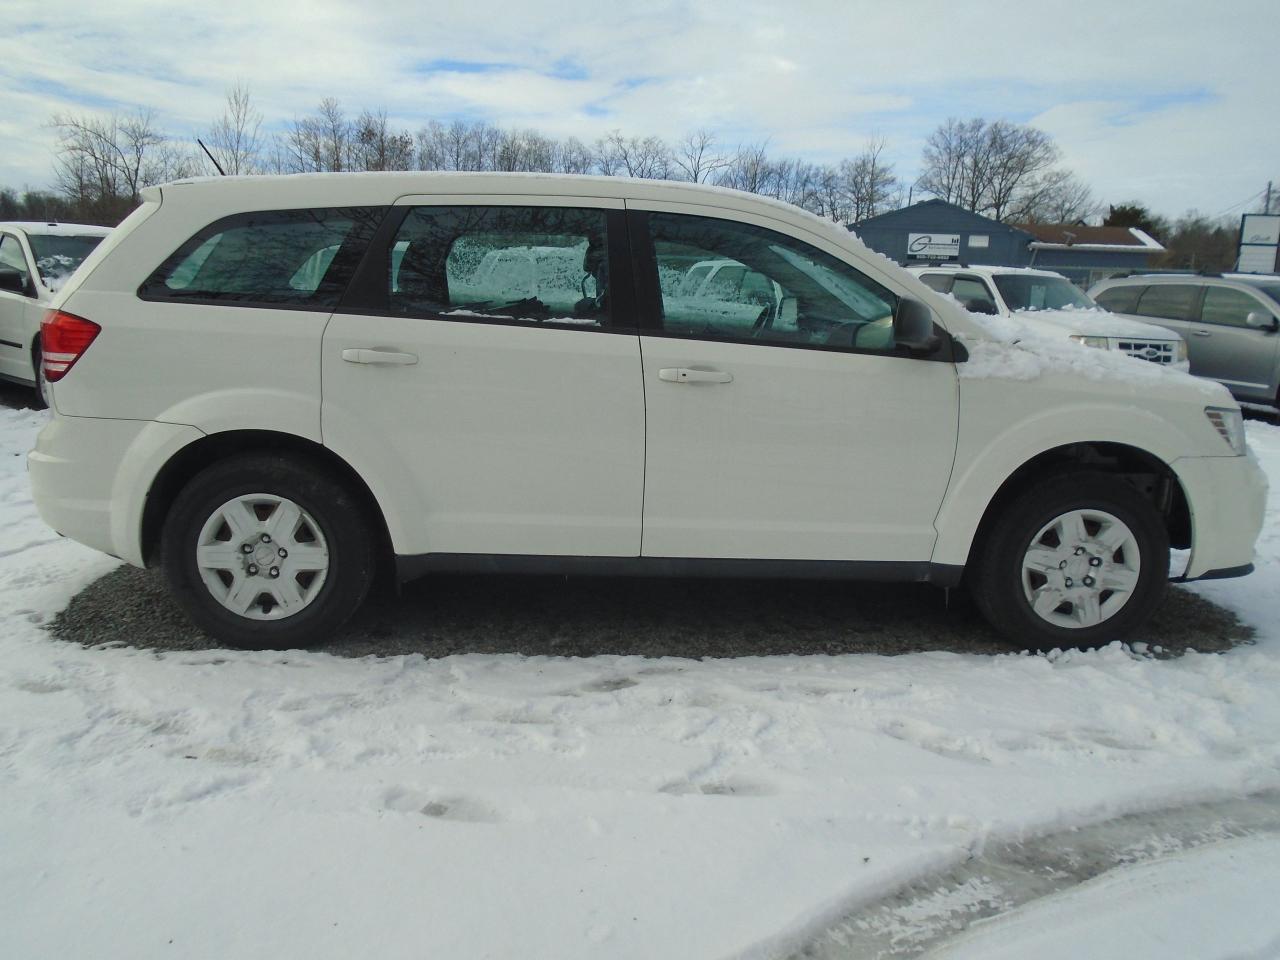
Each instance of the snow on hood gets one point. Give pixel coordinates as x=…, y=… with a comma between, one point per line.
x=1024, y=348
x=1097, y=323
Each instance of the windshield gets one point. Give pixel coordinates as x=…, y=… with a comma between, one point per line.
x=58, y=256
x=1022, y=292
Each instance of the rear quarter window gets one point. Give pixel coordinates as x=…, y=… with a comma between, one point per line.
x=1167, y=301
x=1120, y=299
x=277, y=258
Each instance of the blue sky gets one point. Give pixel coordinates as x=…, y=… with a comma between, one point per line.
x=1168, y=102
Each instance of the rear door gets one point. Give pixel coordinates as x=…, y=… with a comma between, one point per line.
x=799, y=433
x=1228, y=349
x=487, y=420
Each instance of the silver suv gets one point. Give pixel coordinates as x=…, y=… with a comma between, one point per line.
x=1229, y=322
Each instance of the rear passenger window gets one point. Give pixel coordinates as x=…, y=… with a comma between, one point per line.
x=302, y=258
x=526, y=264
x=1120, y=299
x=1170, y=301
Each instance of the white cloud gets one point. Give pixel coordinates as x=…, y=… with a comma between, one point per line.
x=1165, y=102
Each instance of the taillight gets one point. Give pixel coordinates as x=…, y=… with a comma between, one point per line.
x=63, y=338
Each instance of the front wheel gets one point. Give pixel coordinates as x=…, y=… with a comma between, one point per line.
x=263, y=551
x=41, y=400
x=1077, y=561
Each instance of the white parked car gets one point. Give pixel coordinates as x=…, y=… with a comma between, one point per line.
x=1051, y=300
x=35, y=261
x=265, y=429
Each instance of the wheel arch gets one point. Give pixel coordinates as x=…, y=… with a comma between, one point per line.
x=1146, y=472
x=207, y=450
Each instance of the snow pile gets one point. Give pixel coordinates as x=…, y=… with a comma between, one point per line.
x=1022, y=349
x=224, y=804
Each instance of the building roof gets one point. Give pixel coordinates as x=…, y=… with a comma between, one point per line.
x=957, y=212
x=1061, y=236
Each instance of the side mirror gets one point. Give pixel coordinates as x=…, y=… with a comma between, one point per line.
x=1261, y=321
x=12, y=280
x=913, y=328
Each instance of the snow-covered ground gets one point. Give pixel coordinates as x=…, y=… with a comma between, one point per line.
x=239, y=805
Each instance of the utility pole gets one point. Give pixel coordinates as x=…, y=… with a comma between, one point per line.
x=1268, y=209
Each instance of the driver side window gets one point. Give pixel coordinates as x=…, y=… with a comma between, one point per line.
x=523, y=264
x=724, y=280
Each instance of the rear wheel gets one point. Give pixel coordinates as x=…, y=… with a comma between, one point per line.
x=267, y=552
x=1077, y=561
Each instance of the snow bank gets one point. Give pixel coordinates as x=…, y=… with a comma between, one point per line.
x=1022, y=349
x=225, y=804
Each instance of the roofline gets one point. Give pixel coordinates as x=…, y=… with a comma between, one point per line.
x=1146, y=244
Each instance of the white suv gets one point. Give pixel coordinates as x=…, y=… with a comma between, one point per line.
x=35, y=261
x=264, y=385
x=1050, y=299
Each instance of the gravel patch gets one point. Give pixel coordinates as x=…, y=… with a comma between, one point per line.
x=587, y=616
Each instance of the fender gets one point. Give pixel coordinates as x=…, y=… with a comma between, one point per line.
x=219, y=411
x=991, y=447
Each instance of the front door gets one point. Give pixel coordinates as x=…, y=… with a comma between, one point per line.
x=791, y=430
x=1229, y=350
x=18, y=322
x=489, y=380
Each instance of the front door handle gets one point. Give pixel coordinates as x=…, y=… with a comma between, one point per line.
x=379, y=357
x=1202, y=333
x=689, y=375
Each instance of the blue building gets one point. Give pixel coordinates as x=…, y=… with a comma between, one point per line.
x=938, y=231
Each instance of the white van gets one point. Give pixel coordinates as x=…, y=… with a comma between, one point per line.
x=266, y=384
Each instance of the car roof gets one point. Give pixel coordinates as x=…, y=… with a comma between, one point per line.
x=986, y=270
x=383, y=187
x=1250, y=279
x=55, y=229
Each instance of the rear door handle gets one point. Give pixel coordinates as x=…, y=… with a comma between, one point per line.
x=689, y=375
x=379, y=357
x=1202, y=333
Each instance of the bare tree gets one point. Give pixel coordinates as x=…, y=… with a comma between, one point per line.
x=321, y=142
x=697, y=158
x=1058, y=197
x=375, y=146
x=572, y=156
x=235, y=138
x=102, y=163
x=989, y=168
x=749, y=169
x=647, y=157
x=868, y=181
x=1017, y=158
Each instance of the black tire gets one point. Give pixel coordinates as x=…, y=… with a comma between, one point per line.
x=996, y=576
x=41, y=389
x=340, y=515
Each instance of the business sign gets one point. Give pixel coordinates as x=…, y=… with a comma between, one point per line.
x=1259, y=243
x=933, y=246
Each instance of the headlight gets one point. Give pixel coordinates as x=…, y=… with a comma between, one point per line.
x=1099, y=342
x=1230, y=426
x=1180, y=351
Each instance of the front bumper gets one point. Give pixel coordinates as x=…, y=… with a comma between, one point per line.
x=1228, y=500
x=90, y=477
